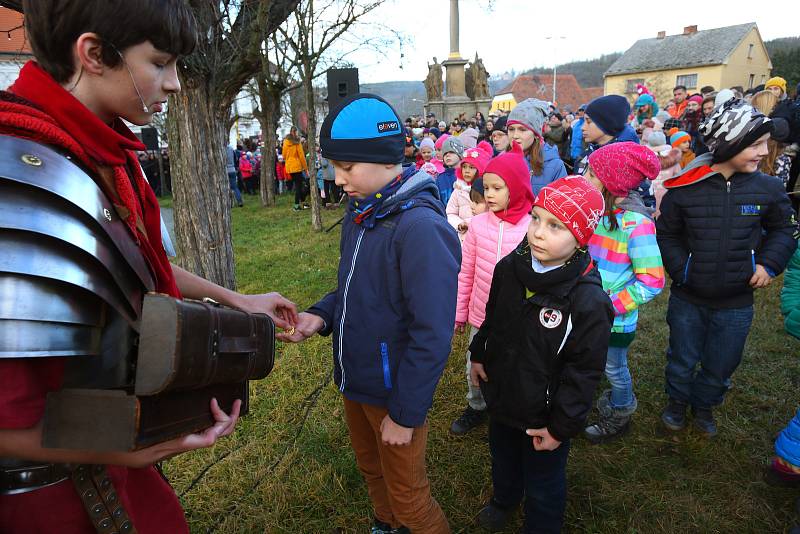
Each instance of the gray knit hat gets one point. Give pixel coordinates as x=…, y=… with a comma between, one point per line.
x=453, y=144
x=531, y=113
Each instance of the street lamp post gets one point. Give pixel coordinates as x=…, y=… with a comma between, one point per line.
x=555, y=65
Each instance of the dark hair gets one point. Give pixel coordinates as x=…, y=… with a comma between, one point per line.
x=609, y=199
x=475, y=196
x=707, y=89
x=53, y=26
x=678, y=87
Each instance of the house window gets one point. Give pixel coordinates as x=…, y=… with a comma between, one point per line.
x=630, y=85
x=752, y=80
x=763, y=79
x=687, y=80
x=750, y=52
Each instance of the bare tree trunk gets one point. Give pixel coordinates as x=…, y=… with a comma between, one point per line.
x=196, y=133
x=316, y=208
x=270, y=103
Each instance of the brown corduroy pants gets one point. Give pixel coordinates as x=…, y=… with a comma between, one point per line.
x=395, y=475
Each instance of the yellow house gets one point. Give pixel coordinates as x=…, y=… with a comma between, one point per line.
x=720, y=57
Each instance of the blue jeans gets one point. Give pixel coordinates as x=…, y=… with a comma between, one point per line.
x=619, y=377
x=235, y=187
x=519, y=470
x=715, y=339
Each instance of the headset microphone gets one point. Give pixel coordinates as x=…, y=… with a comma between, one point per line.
x=133, y=81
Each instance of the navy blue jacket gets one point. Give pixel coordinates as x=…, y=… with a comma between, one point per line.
x=712, y=232
x=393, y=312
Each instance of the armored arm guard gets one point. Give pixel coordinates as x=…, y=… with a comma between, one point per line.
x=141, y=368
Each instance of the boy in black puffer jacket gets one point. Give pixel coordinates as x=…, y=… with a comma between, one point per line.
x=725, y=230
x=540, y=353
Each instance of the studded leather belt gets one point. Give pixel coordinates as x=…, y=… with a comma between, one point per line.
x=22, y=477
x=94, y=486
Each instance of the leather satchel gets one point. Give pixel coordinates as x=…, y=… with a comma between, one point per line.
x=188, y=353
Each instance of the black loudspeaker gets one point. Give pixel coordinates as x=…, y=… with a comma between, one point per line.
x=150, y=138
x=341, y=84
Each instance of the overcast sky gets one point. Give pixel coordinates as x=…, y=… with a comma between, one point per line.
x=510, y=34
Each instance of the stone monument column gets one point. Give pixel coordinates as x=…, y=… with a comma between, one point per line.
x=455, y=83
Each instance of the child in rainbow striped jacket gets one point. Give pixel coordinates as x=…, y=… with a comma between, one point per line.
x=627, y=255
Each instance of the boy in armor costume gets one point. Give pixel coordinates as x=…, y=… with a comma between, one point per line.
x=97, y=62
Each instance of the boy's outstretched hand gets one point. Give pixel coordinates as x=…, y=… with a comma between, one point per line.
x=476, y=371
x=394, y=434
x=306, y=326
x=542, y=440
x=760, y=278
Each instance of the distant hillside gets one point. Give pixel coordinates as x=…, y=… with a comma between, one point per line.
x=407, y=98
x=589, y=73
x=785, y=56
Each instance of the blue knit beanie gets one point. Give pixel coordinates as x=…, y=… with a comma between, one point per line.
x=610, y=113
x=363, y=128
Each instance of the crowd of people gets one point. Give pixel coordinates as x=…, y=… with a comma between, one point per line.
x=566, y=225
x=243, y=165
x=542, y=232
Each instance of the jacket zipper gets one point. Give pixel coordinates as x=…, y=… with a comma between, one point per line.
x=726, y=229
x=387, y=372
x=686, y=269
x=499, y=244
x=560, y=347
x=344, y=306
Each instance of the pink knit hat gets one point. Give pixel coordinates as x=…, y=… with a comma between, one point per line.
x=478, y=157
x=576, y=203
x=622, y=166
x=440, y=141
x=696, y=98
x=513, y=170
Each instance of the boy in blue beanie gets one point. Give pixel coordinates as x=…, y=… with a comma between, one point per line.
x=393, y=312
x=606, y=122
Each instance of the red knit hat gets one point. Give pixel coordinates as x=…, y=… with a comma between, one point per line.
x=439, y=142
x=512, y=168
x=478, y=157
x=622, y=166
x=576, y=203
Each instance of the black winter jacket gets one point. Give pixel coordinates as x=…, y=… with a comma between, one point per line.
x=713, y=232
x=543, y=343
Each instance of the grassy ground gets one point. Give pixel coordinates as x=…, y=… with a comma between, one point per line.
x=289, y=468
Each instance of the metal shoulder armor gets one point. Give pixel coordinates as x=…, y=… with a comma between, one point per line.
x=69, y=268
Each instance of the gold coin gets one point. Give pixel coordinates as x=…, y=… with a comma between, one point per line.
x=290, y=331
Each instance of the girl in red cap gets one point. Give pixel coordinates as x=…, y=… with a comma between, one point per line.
x=491, y=235
x=540, y=353
x=459, y=207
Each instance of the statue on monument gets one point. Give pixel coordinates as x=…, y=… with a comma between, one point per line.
x=477, y=80
x=434, y=84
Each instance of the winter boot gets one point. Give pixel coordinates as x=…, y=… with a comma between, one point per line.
x=470, y=419
x=704, y=421
x=674, y=415
x=613, y=423
x=384, y=528
x=493, y=518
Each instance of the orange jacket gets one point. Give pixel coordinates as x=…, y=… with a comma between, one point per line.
x=293, y=157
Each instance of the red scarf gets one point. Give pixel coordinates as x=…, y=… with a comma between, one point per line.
x=47, y=113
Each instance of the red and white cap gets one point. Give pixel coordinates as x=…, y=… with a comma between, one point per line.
x=576, y=203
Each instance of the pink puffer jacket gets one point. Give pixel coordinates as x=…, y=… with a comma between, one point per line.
x=488, y=240
x=459, y=208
